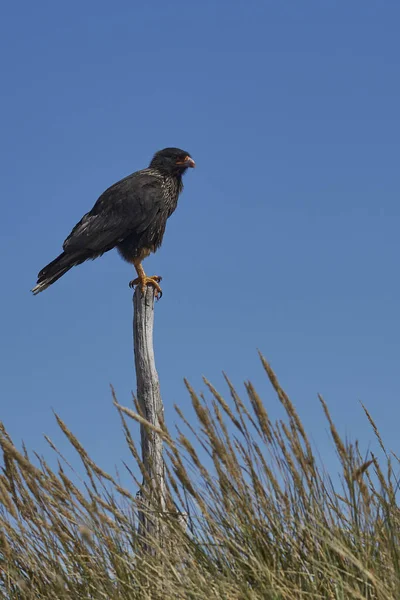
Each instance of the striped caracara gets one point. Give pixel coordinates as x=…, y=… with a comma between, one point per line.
x=131, y=216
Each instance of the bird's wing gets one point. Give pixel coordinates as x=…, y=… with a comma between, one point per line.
x=128, y=206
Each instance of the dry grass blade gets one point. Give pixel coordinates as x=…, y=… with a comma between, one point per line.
x=265, y=521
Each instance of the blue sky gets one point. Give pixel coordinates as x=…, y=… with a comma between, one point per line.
x=285, y=238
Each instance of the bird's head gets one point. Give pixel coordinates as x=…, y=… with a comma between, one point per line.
x=172, y=161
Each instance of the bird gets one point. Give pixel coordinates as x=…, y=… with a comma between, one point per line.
x=130, y=216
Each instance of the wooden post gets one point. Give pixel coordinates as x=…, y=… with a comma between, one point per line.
x=151, y=408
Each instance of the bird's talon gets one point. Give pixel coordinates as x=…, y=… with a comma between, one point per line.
x=145, y=281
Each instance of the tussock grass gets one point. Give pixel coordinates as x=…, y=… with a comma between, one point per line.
x=250, y=515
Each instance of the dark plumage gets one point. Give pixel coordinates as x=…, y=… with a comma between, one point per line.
x=131, y=215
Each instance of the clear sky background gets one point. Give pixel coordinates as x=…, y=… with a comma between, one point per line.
x=286, y=237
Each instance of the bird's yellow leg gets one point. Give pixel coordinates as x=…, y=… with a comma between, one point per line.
x=143, y=280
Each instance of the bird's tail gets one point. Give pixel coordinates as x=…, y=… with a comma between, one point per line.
x=56, y=269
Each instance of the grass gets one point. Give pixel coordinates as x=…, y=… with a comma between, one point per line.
x=250, y=514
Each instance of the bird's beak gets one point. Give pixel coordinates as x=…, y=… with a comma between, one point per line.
x=187, y=162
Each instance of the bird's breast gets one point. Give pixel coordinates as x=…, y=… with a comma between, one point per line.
x=170, y=188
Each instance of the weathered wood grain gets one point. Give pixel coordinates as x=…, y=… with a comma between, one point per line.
x=152, y=409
